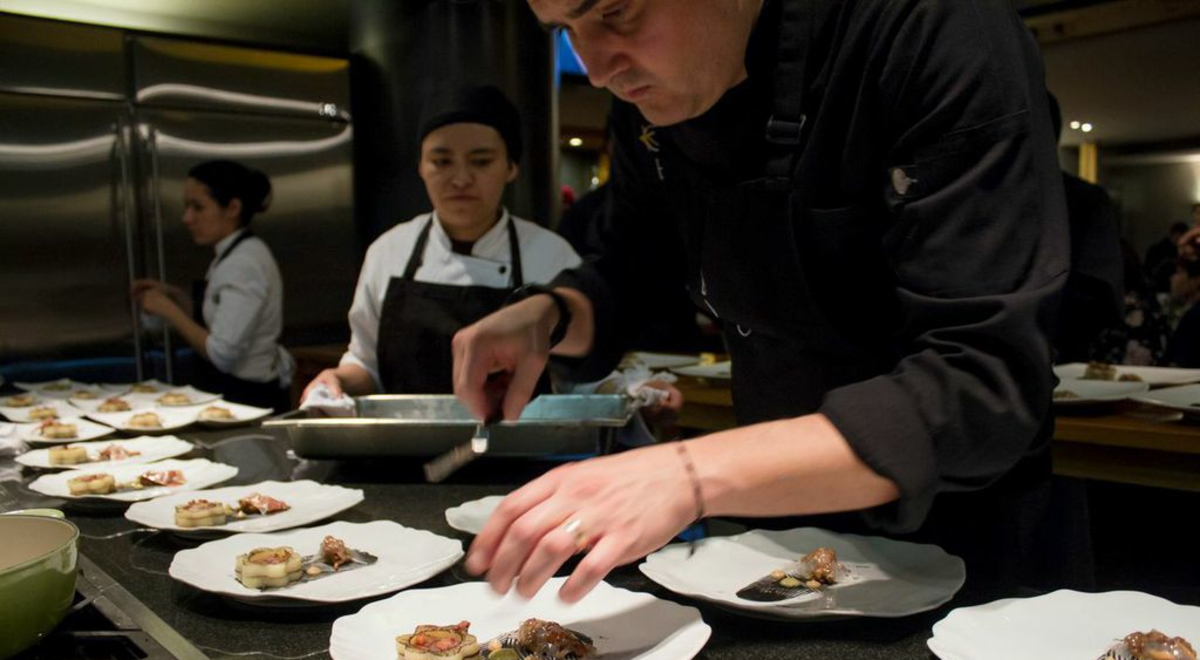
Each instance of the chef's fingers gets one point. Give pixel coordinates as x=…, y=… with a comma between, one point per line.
x=551, y=552
x=520, y=539
x=520, y=388
x=520, y=501
x=608, y=553
x=470, y=373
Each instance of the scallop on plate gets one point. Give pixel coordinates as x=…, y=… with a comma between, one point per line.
x=149, y=421
x=43, y=410
x=306, y=502
x=624, y=624
x=133, y=483
x=63, y=431
x=176, y=397
x=109, y=403
x=221, y=413
x=880, y=577
x=402, y=557
x=1062, y=624
x=135, y=451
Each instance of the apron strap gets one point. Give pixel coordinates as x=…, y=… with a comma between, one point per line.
x=514, y=250
x=785, y=127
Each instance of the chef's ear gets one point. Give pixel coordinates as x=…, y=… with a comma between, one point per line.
x=513, y=169
x=234, y=209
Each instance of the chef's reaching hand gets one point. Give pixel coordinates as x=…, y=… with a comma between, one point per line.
x=619, y=508
x=514, y=341
x=155, y=301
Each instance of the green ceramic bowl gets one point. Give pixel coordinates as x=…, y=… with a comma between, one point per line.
x=37, y=578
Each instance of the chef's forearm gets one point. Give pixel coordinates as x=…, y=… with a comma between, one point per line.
x=193, y=333
x=355, y=380
x=581, y=332
x=797, y=466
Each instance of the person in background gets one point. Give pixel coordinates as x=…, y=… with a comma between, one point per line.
x=1141, y=337
x=233, y=317
x=1160, y=258
x=1093, y=298
x=867, y=195
x=425, y=279
x=1184, y=347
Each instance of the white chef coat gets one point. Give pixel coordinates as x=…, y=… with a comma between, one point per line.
x=243, y=309
x=543, y=255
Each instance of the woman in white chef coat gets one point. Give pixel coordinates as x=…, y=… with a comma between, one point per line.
x=425, y=279
x=234, y=316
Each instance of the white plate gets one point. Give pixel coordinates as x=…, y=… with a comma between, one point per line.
x=194, y=396
x=199, y=472
x=93, y=405
x=1184, y=397
x=8, y=400
x=84, y=429
x=1152, y=375
x=172, y=419
x=243, y=414
x=55, y=389
x=123, y=388
x=310, y=502
x=623, y=624
x=150, y=449
x=663, y=360
x=889, y=578
x=1063, y=624
x=470, y=516
x=1097, y=391
x=21, y=414
x=718, y=370
x=406, y=557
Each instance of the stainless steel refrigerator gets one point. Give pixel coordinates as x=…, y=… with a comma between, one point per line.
x=98, y=128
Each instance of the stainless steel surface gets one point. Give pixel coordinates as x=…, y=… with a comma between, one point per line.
x=428, y=425
x=155, y=190
x=64, y=266
x=128, y=222
x=182, y=74
x=47, y=57
x=309, y=225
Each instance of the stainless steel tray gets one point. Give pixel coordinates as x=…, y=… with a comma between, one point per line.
x=428, y=425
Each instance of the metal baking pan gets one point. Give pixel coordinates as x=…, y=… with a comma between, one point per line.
x=428, y=425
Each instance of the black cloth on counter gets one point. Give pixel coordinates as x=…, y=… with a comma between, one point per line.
x=905, y=279
x=1094, y=298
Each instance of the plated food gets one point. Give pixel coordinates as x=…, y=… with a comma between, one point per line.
x=146, y=420
x=608, y=622
x=83, y=456
x=143, y=420
x=216, y=414
x=872, y=576
x=175, y=399
x=402, y=557
x=430, y=641
x=262, y=507
x=810, y=573
x=1069, y=624
x=20, y=401
x=114, y=404
x=63, y=431
x=264, y=568
x=132, y=482
x=227, y=413
x=41, y=411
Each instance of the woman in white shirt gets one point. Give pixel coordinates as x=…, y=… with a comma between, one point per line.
x=234, y=316
x=425, y=279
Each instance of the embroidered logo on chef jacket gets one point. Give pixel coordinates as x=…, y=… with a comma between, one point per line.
x=647, y=139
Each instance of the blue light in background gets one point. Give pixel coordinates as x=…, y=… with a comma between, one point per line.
x=568, y=61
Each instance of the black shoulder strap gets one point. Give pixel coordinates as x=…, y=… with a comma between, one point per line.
x=785, y=128
x=417, y=257
x=248, y=233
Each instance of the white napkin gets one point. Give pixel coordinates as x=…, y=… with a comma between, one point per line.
x=632, y=381
x=11, y=443
x=322, y=399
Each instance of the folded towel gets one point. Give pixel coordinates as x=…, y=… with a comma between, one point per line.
x=322, y=400
x=11, y=443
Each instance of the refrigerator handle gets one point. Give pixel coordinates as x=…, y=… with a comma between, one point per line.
x=156, y=203
x=125, y=198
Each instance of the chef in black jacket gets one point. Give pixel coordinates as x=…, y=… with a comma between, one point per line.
x=868, y=196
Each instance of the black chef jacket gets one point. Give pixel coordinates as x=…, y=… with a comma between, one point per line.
x=915, y=279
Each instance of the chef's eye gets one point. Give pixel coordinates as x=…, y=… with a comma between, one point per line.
x=482, y=162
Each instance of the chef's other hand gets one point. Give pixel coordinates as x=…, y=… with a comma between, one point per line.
x=618, y=508
x=514, y=341
x=155, y=301
x=141, y=286
x=329, y=379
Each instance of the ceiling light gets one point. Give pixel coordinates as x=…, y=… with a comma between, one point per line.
x=575, y=142
x=1075, y=125
x=1086, y=128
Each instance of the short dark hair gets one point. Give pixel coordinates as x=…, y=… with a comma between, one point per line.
x=228, y=180
x=474, y=104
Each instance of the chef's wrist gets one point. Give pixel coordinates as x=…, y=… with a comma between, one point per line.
x=559, y=311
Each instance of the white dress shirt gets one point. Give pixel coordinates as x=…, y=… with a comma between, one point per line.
x=243, y=309
x=544, y=255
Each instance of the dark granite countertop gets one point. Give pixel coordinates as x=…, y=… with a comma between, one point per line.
x=222, y=628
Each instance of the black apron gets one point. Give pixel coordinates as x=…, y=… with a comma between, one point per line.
x=788, y=353
x=207, y=377
x=419, y=319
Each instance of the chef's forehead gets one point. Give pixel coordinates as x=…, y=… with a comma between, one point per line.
x=554, y=11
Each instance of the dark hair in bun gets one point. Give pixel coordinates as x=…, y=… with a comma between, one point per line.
x=228, y=180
